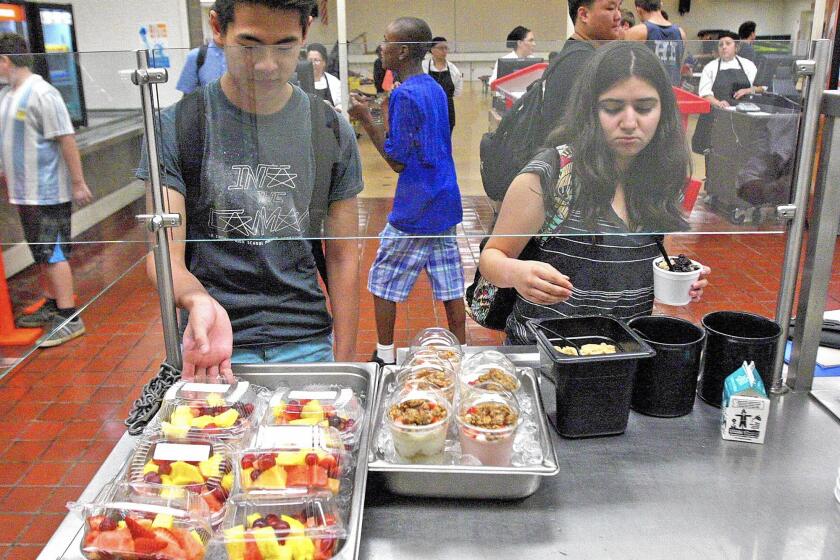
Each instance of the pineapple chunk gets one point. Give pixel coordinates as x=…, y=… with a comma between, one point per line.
x=163, y=520
x=210, y=467
x=150, y=467
x=235, y=542
x=227, y=418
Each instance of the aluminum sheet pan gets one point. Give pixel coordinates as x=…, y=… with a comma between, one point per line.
x=464, y=481
x=65, y=543
x=362, y=378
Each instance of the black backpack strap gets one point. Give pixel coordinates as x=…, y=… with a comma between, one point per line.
x=326, y=146
x=189, y=129
x=199, y=60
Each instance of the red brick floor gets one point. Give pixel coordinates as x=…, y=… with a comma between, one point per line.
x=61, y=409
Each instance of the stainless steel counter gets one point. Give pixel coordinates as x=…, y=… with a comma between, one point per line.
x=666, y=489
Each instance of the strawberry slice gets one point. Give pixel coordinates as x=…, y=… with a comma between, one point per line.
x=138, y=531
x=148, y=546
x=252, y=552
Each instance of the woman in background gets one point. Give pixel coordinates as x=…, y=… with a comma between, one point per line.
x=597, y=201
x=446, y=74
x=522, y=41
x=326, y=85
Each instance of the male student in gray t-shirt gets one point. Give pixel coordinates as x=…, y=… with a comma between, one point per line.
x=251, y=296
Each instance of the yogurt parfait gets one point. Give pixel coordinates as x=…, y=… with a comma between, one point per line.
x=487, y=424
x=418, y=418
x=490, y=369
x=441, y=378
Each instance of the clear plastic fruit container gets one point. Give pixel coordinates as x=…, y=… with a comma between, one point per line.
x=491, y=368
x=126, y=522
x=328, y=406
x=220, y=411
x=173, y=467
x=487, y=423
x=441, y=341
x=286, y=459
x=417, y=416
x=441, y=378
x=306, y=526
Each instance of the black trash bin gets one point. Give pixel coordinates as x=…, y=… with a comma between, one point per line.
x=665, y=384
x=593, y=392
x=733, y=338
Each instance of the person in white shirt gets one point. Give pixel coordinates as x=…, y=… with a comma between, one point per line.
x=43, y=171
x=521, y=40
x=446, y=74
x=326, y=85
x=729, y=77
x=723, y=82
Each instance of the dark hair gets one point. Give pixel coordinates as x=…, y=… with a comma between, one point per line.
x=517, y=34
x=655, y=180
x=732, y=35
x=415, y=34
x=14, y=46
x=628, y=17
x=436, y=40
x=225, y=9
x=649, y=5
x=574, y=6
x=664, y=14
x=747, y=28
x=318, y=48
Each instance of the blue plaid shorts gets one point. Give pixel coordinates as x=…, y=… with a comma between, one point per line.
x=401, y=257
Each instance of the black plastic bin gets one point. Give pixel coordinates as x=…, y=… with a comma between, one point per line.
x=733, y=338
x=593, y=392
x=665, y=384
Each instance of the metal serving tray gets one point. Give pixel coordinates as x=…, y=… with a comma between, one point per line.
x=362, y=379
x=463, y=481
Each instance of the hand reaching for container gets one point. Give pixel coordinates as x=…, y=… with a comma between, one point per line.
x=208, y=343
x=697, y=288
x=541, y=283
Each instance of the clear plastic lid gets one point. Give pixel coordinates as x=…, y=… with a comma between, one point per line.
x=429, y=356
x=489, y=366
x=489, y=410
x=441, y=378
x=306, y=526
x=172, y=467
x=440, y=340
x=221, y=411
x=123, y=522
x=417, y=407
x=328, y=406
x=286, y=459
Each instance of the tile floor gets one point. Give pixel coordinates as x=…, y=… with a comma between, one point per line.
x=61, y=410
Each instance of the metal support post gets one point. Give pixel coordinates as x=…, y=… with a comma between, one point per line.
x=822, y=236
x=159, y=221
x=343, y=73
x=816, y=73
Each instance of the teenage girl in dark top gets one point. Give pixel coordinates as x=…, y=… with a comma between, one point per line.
x=612, y=181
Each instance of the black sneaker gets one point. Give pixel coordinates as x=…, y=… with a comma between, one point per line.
x=44, y=316
x=61, y=331
x=382, y=363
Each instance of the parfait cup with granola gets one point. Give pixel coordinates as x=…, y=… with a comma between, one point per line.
x=418, y=418
x=488, y=417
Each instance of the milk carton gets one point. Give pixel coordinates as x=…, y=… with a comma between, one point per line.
x=745, y=407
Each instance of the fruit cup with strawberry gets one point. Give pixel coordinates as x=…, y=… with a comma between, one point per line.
x=291, y=458
x=224, y=412
x=332, y=406
x=121, y=524
x=173, y=467
x=266, y=528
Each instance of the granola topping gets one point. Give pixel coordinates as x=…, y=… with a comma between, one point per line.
x=496, y=375
x=417, y=412
x=436, y=377
x=490, y=416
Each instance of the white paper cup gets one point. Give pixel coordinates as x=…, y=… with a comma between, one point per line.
x=672, y=288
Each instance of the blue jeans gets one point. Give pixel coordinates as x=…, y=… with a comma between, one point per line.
x=317, y=350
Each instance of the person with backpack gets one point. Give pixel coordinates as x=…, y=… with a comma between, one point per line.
x=420, y=233
x=664, y=38
x=524, y=128
x=241, y=164
x=615, y=174
x=203, y=65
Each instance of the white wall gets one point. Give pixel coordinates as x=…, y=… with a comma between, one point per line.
x=108, y=30
x=773, y=17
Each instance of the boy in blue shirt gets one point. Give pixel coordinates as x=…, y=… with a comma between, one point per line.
x=420, y=232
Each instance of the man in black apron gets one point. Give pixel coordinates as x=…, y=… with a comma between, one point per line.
x=729, y=85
